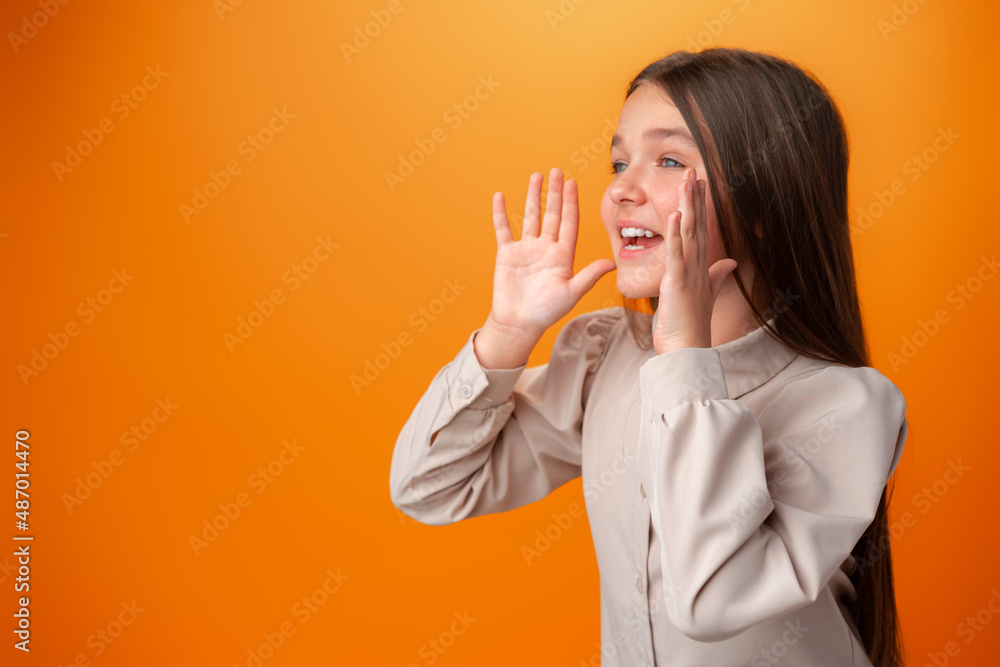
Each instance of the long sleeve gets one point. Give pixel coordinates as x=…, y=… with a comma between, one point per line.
x=481, y=441
x=753, y=529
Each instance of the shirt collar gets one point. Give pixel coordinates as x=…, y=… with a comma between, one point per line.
x=751, y=360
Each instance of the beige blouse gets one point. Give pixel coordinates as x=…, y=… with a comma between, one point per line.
x=725, y=486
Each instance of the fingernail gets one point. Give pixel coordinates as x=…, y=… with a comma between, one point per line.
x=701, y=187
x=688, y=186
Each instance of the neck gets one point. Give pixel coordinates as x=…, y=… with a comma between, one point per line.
x=732, y=316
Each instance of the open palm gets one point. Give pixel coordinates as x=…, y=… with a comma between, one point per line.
x=533, y=284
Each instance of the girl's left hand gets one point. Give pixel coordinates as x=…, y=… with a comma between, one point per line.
x=689, y=285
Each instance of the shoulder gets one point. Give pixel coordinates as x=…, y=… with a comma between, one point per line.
x=861, y=386
x=859, y=405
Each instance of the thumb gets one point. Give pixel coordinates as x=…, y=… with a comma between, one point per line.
x=588, y=276
x=718, y=273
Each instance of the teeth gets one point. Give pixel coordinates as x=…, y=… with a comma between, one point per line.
x=630, y=232
x=635, y=247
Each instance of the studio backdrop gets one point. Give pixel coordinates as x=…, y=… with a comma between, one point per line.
x=239, y=238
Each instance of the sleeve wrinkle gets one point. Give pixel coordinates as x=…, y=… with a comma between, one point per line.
x=766, y=539
x=485, y=460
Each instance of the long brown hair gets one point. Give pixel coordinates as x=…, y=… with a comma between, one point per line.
x=775, y=149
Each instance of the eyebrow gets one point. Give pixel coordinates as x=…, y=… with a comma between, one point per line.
x=660, y=133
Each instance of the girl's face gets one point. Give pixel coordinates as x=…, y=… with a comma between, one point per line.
x=649, y=153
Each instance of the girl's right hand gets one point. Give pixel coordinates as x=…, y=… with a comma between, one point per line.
x=533, y=284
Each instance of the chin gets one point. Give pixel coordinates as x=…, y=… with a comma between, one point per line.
x=630, y=290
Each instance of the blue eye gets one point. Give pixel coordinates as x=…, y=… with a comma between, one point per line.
x=675, y=165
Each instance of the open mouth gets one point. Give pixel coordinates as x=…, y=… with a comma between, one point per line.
x=636, y=239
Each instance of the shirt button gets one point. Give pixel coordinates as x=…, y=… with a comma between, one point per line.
x=638, y=584
x=642, y=490
x=466, y=389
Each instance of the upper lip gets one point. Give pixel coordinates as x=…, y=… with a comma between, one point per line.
x=622, y=224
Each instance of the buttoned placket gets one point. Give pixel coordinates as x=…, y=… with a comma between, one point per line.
x=644, y=630
x=640, y=531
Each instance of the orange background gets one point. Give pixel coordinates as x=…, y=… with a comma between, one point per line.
x=323, y=175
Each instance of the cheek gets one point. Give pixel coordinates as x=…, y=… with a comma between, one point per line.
x=665, y=204
x=607, y=213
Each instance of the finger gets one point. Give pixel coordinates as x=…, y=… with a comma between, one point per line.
x=689, y=218
x=718, y=273
x=584, y=281
x=553, y=205
x=674, y=267
x=702, y=211
x=532, y=206
x=569, y=225
x=500, y=224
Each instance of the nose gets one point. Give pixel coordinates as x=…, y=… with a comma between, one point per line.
x=627, y=187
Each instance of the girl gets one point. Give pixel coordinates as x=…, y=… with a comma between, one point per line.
x=734, y=446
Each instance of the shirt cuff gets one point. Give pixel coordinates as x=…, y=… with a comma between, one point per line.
x=472, y=386
x=685, y=375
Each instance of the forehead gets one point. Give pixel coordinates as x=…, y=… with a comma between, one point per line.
x=649, y=115
x=649, y=104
